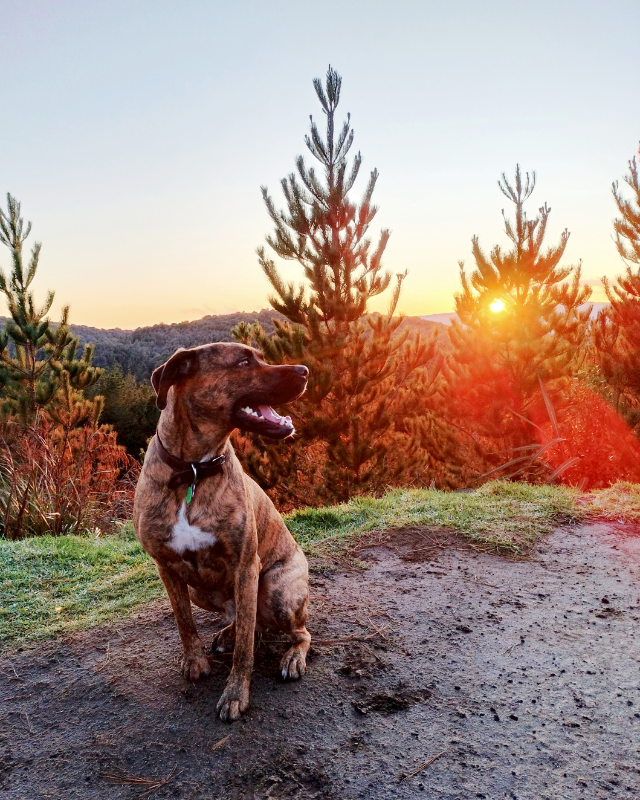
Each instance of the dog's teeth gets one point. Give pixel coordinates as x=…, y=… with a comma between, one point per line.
x=247, y=410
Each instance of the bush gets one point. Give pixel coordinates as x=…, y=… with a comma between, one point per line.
x=59, y=481
x=597, y=444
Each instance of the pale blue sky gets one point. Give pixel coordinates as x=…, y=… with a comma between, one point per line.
x=137, y=135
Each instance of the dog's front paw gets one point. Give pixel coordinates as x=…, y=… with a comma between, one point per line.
x=194, y=665
x=293, y=664
x=234, y=700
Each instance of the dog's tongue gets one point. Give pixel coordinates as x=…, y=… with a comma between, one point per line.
x=269, y=414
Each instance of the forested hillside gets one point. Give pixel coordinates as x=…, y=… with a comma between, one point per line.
x=140, y=351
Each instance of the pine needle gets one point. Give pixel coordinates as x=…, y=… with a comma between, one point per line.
x=420, y=768
x=220, y=744
x=151, y=784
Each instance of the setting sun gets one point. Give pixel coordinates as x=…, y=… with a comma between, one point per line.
x=497, y=306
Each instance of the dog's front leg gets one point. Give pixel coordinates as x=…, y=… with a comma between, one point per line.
x=194, y=661
x=235, y=698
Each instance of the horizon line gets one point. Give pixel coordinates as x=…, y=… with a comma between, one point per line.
x=437, y=317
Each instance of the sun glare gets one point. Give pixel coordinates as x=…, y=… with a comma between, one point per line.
x=497, y=306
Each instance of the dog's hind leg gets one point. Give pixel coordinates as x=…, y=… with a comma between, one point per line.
x=210, y=601
x=294, y=662
x=225, y=639
x=283, y=599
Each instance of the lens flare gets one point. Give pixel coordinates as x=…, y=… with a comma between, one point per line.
x=497, y=306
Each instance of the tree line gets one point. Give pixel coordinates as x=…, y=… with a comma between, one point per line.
x=523, y=385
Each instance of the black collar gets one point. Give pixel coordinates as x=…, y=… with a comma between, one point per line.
x=188, y=472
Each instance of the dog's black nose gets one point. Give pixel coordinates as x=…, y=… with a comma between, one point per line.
x=302, y=371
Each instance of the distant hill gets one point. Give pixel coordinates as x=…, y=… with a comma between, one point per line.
x=445, y=319
x=141, y=350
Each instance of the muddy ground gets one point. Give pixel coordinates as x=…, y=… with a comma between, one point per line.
x=522, y=677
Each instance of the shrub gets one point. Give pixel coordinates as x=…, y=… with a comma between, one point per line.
x=597, y=444
x=59, y=481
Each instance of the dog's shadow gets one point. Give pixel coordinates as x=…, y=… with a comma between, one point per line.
x=268, y=651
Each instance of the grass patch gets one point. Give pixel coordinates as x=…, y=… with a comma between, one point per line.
x=505, y=517
x=52, y=585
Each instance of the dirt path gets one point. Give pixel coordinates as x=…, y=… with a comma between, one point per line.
x=525, y=676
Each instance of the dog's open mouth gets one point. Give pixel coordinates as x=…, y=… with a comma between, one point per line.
x=264, y=420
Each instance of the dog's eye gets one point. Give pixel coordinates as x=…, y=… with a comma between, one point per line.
x=244, y=362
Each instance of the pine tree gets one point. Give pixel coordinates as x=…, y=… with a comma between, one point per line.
x=627, y=226
x=365, y=420
x=39, y=364
x=617, y=330
x=520, y=327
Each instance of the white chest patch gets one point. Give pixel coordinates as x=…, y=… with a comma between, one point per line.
x=188, y=537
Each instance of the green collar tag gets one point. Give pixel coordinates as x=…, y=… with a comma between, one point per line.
x=192, y=489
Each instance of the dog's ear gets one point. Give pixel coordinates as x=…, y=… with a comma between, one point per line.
x=181, y=365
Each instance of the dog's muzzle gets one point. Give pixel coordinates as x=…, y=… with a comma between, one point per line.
x=255, y=413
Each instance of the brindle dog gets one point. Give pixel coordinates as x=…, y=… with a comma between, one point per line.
x=222, y=546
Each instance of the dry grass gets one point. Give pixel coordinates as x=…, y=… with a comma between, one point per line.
x=619, y=502
x=59, y=481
